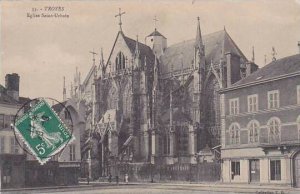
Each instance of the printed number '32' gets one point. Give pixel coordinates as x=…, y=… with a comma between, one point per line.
x=40, y=148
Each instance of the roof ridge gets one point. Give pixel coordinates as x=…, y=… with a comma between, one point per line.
x=194, y=39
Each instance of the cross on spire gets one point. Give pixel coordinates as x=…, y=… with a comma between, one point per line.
x=120, y=18
x=155, y=21
x=93, y=53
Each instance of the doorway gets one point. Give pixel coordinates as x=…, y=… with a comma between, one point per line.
x=297, y=169
x=254, y=170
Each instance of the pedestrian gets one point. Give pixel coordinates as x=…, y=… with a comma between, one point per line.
x=126, y=178
x=117, y=179
x=88, y=180
x=109, y=178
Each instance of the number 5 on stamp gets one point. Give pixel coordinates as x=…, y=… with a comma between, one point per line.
x=43, y=132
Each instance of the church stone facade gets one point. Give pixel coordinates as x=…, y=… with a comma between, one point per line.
x=160, y=102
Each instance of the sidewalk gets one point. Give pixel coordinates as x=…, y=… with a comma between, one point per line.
x=81, y=184
x=43, y=188
x=217, y=186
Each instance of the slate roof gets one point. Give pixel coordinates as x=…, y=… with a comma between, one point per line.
x=156, y=33
x=181, y=55
x=6, y=99
x=283, y=66
x=144, y=50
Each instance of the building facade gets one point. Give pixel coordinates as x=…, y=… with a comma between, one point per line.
x=12, y=156
x=260, y=122
x=19, y=168
x=64, y=167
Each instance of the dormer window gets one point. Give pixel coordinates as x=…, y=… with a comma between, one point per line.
x=120, y=61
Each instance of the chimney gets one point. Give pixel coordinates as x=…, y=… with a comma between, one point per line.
x=12, y=83
x=299, y=46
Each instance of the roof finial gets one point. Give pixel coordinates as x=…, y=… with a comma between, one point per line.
x=253, y=55
x=93, y=53
x=155, y=22
x=274, y=53
x=101, y=58
x=64, y=90
x=137, y=50
x=265, y=59
x=71, y=90
x=120, y=18
x=199, y=41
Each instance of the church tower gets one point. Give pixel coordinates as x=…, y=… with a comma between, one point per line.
x=157, y=42
x=140, y=106
x=199, y=76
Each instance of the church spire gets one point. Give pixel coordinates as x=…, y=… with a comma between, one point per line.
x=199, y=41
x=101, y=57
x=137, y=50
x=253, y=55
x=64, y=90
x=101, y=64
x=274, y=53
x=71, y=91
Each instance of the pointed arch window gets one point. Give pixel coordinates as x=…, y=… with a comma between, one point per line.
x=274, y=126
x=120, y=61
x=112, y=99
x=127, y=99
x=166, y=145
x=253, y=128
x=182, y=140
x=234, y=131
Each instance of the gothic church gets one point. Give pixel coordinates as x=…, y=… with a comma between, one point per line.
x=159, y=104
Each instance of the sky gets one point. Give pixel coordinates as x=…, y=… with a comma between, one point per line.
x=44, y=50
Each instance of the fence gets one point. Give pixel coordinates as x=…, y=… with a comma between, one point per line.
x=203, y=172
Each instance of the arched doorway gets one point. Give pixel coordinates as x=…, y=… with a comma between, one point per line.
x=297, y=169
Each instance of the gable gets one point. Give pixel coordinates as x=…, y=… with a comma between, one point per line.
x=120, y=45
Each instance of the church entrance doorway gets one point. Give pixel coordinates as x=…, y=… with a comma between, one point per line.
x=297, y=169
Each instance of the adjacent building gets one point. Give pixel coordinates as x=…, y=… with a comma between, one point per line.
x=63, y=168
x=19, y=168
x=260, y=124
x=12, y=156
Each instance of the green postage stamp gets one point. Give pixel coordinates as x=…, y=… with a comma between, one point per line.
x=42, y=131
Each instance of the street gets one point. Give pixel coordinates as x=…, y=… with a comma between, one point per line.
x=158, y=188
